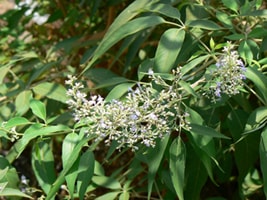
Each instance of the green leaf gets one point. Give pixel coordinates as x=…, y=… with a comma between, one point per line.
x=3, y=184
x=8, y=174
x=86, y=172
x=192, y=64
x=107, y=182
x=231, y=4
x=125, y=16
x=187, y=87
x=38, y=109
x=207, y=131
x=205, y=148
x=124, y=195
x=257, y=13
x=168, y=49
x=256, y=120
x=109, y=196
x=16, y=121
x=153, y=159
x=263, y=159
x=43, y=164
x=245, y=148
x=224, y=18
x=259, y=80
x=32, y=132
x=246, y=154
x=39, y=71
x=51, y=90
x=13, y=193
x=118, y=91
x=131, y=27
x=235, y=36
x=195, y=174
x=71, y=161
x=68, y=145
x=4, y=70
x=177, y=166
x=164, y=9
x=236, y=121
x=258, y=32
x=203, y=24
x=22, y=102
x=111, y=82
x=144, y=67
x=245, y=51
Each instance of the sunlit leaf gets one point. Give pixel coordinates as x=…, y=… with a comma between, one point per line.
x=68, y=145
x=16, y=121
x=11, y=192
x=22, y=102
x=51, y=90
x=38, y=108
x=119, y=91
x=106, y=182
x=164, y=9
x=109, y=195
x=127, y=29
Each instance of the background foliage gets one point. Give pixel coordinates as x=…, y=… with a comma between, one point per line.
x=110, y=45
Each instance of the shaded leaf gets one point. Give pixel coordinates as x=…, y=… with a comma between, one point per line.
x=203, y=24
x=86, y=171
x=204, y=130
x=168, y=49
x=231, y=4
x=259, y=80
x=71, y=161
x=263, y=159
x=257, y=119
x=177, y=166
x=43, y=164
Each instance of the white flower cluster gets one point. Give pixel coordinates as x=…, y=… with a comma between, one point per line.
x=142, y=116
x=37, y=18
x=228, y=76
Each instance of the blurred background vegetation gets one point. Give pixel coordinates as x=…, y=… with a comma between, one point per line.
x=41, y=42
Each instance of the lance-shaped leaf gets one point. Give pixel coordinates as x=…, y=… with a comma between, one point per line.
x=168, y=49
x=124, y=30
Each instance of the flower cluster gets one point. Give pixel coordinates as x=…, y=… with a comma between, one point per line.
x=228, y=75
x=142, y=116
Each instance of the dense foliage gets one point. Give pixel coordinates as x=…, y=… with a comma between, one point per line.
x=144, y=99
